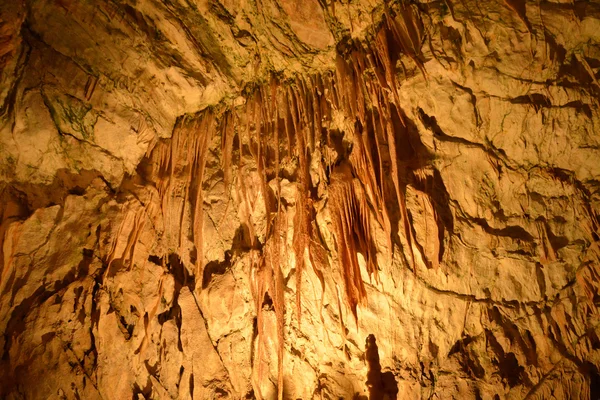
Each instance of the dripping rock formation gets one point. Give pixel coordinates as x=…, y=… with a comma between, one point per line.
x=322, y=199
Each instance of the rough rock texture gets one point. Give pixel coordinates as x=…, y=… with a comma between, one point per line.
x=316, y=199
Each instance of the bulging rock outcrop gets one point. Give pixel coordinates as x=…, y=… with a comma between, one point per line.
x=273, y=199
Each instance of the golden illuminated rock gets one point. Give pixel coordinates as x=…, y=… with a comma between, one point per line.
x=315, y=200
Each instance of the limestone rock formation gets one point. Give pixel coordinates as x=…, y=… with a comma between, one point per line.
x=318, y=200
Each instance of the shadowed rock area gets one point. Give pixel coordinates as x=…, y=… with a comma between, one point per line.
x=322, y=199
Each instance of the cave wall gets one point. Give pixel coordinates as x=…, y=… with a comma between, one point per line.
x=262, y=199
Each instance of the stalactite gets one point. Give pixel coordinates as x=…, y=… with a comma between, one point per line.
x=301, y=112
x=275, y=123
x=269, y=282
x=383, y=54
x=378, y=135
x=407, y=30
x=305, y=102
x=205, y=133
x=178, y=145
x=227, y=138
x=260, y=118
x=181, y=164
x=301, y=228
x=241, y=187
x=352, y=230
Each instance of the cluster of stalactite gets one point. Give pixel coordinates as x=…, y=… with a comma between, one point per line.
x=354, y=112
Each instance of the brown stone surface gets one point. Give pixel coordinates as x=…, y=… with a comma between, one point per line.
x=315, y=200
